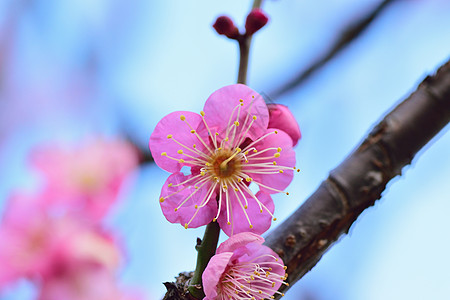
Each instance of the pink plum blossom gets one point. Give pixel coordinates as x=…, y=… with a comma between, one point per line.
x=243, y=268
x=281, y=117
x=87, y=178
x=29, y=239
x=34, y=243
x=226, y=147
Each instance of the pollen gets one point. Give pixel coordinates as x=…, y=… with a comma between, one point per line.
x=182, y=118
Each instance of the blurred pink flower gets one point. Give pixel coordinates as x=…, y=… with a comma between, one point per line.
x=81, y=280
x=281, y=118
x=243, y=268
x=35, y=243
x=28, y=240
x=227, y=146
x=88, y=178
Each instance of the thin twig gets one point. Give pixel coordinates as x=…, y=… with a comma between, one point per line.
x=350, y=34
x=357, y=182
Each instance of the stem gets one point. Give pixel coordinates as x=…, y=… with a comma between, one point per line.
x=244, y=50
x=206, y=250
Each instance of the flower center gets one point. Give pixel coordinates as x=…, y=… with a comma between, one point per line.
x=224, y=164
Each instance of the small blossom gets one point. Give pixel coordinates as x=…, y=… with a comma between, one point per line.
x=224, y=25
x=87, y=178
x=243, y=268
x=256, y=20
x=227, y=147
x=281, y=117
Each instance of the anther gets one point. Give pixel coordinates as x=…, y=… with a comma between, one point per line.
x=287, y=193
x=254, y=118
x=170, y=184
x=228, y=223
x=169, y=136
x=192, y=131
x=281, y=171
x=193, y=146
x=182, y=118
x=202, y=113
x=276, y=132
x=181, y=161
x=240, y=100
x=245, y=206
x=236, y=123
x=214, y=219
x=161, y=199
x=186, y=226
x=251, y=226
x=285, y=267
x=164, y=154
x=196, y=206
x=274, y=219
x=279, y=149
x=277, y=154
x=180, y=151
x=176, y=209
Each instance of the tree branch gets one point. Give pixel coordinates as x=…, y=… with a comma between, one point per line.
x=351, y=33
x=357, y=182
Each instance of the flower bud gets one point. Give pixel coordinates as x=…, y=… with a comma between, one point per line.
x=281, y=117
x=224, y=25
x=256, y=19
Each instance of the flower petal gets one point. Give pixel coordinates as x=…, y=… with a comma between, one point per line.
x=213, y=273
x=178, y=192
x=172, y=125
x=277, y=181
x=260, y=221
x=239, y=240
x=221, y=105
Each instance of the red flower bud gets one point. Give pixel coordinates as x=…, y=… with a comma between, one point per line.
x=281, y=117
x=256, y=19
x=224, y=25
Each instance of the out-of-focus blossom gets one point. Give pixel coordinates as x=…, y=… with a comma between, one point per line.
x=81, y=280
x=281, y=118
x=256, y=20
x=226, y=147
x=86, y=178
x=33, y=243
x=224, y=25
x=243, y=268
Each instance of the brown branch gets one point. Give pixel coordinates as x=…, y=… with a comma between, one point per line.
x=357, y=182
x=349, y=34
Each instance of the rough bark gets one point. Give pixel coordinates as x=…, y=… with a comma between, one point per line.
x=360, y=179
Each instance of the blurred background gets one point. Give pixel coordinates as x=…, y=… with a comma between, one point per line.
x=76, y=69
